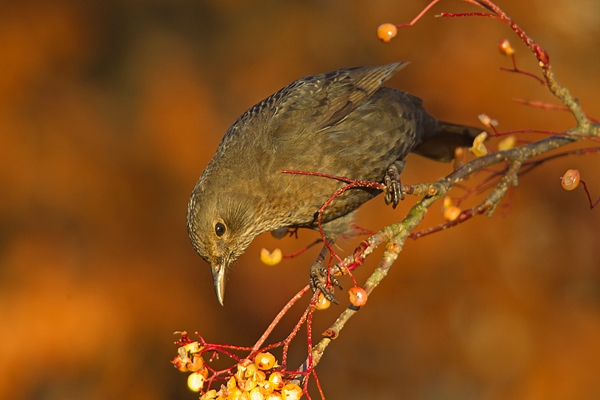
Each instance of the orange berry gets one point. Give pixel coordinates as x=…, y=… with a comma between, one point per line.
x=291, y=391
x=246, y=385
x=451, y=213
x=259, y=376
x=505, y=48
x=266, y=387
x=265, y=361
x=276, y=380
x=196, y=363
x=358, y=296
x=570, y=180
x=386, y=32
x=322, y=302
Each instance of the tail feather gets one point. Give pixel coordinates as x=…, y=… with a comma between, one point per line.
x=442, y=145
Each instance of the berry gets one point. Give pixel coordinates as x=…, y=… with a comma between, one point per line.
x=291, y=391
x=358, y=296
x=322, y=302
x=570, y=180
x=196, y=381
x=507, y=143
x=276, y=380
x=505, y=48
x=451, y=213
x=386, y=32
x=479, y=148
x=269, y=258
x=265, y=361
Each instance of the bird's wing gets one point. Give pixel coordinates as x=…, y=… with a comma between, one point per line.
x=327, y=98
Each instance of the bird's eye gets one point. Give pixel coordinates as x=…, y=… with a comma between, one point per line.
x=220, y=229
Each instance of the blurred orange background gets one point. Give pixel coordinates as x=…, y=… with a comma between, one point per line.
x=109, y=112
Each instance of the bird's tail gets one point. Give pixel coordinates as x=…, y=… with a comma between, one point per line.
x=442, y=144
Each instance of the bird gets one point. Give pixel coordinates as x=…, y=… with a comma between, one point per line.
x=342, y=123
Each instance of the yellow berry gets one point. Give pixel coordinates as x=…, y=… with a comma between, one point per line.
x=570, y=180
x=322, y=302
x=358, y=296
x=193, y=347
x=271, y=258
x=231, y=383
x=255, y=394
x=234, y=394
x=451, y=213
x=265, y=361
x=210, y=395
x=291, y=391
x=196, y=382
x=386, y=32
x=505, y=48
x=507, y=143
x=277, y=380
x=251, y=371
x=266, y=387
x=246, y=385
x=242, y=369
x=479, y=148
x=274, y=396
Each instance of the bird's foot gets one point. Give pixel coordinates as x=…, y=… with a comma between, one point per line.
x=393, y=187
x=321, y=279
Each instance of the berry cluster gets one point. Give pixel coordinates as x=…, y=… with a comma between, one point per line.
x=254, y=380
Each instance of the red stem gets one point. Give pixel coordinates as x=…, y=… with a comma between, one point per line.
x=592, y=203
x=418, y=17
x=284, y=310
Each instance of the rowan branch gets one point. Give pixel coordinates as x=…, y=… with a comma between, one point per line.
x=395, y=235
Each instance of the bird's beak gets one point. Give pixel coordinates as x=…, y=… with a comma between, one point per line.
x=218, y=272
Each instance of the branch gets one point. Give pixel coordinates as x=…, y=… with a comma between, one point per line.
x=396, y=234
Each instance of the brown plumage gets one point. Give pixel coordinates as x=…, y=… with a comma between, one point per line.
x=340, y=123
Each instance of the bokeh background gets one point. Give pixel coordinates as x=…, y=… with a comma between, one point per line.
x=110, y=110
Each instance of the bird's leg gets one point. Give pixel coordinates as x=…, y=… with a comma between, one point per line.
x=321, y=279
x=393, y=187
x=293, y=231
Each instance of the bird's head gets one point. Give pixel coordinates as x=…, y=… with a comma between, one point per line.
x=221, y=226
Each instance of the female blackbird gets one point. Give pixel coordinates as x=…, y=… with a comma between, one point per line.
x=340, y=123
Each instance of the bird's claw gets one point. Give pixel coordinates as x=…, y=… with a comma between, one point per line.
x=321, y=280
x=393, y=187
